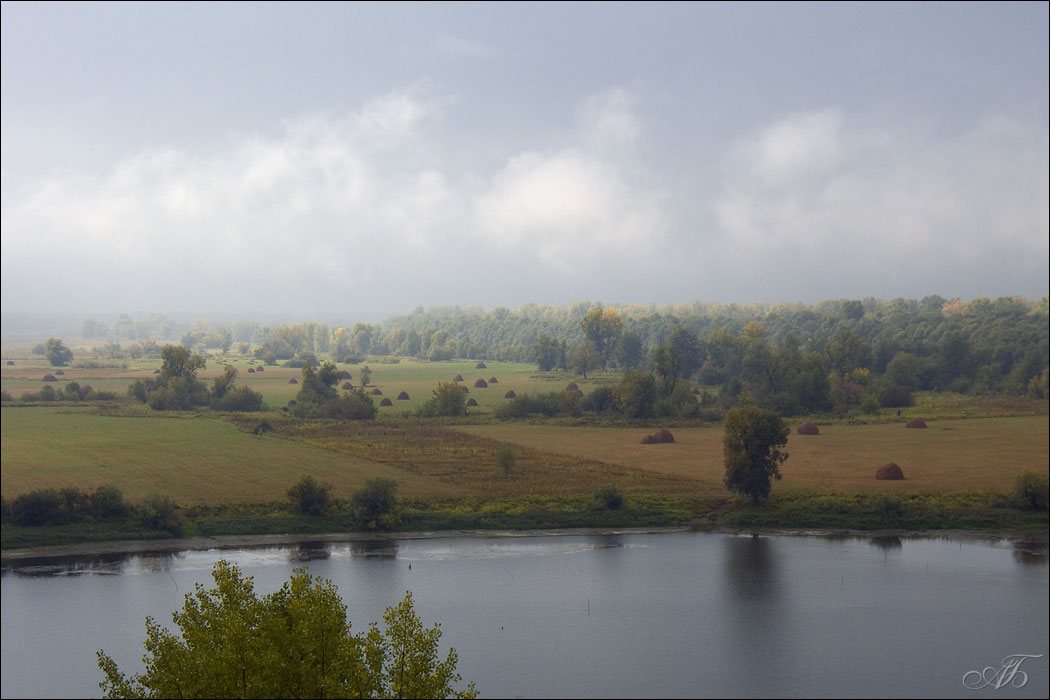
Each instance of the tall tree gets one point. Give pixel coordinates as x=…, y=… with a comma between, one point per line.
x=752, y=442
x=603, y=328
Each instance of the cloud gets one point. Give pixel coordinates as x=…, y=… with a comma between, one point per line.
x=819, y=193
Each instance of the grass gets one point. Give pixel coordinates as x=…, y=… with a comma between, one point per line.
x=952, y=455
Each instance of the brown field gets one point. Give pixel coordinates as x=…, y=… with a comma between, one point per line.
x=980, y=454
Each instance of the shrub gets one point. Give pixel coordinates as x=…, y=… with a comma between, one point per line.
x=609, y=497
x=39, y=507
x=887, y=508
x=1031, y=490
x=160, y=513
x=506, y=458
x=601, y=400
x=375, y=504
x=896, y=396
x=107, y=503
x=310, y=497
x=241, y=399
x=262, y=427
x=869, y=405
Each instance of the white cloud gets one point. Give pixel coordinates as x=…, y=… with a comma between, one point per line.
x=608, y=119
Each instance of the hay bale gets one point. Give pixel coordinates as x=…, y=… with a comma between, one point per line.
x=459, y=378
x=660, y=436
x=343, y=375
x=59, y=372
x=49, y=378
x=251, y=370
x=376, y=392
x=481, y=384
x=157, y=371
x=807, y=429
x=259, y=368
x=472, y=402
x=493, y=380
x=890, y=472
x=915, y=423
x=386, y=402
x=293, y=380
x=510, y=395
x=347, y=386
x=403, y=396
x=481, y=365
x=10, y=363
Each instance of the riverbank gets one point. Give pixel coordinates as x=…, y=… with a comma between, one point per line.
x=28, y=556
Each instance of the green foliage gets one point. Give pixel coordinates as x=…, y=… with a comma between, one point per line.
x=896, y=396
x=317, y=397
x=310, y=497
x=601, y=399
x=58, y=355
x=506, y=458
x=448, y=399
x=375, y=504
x=293, y=643
x=160, y=513
x=239, y=399
x=584, y=357
x=366, y=375
x=752, y=442
x=224, y=383
x=68, y=505
x=1031, y=490
x=609, y=497
x=553, y=403
x=603, y=328
x=888, y=508
x=636, y=394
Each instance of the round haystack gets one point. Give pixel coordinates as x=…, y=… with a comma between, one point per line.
x=696, y=392
x=344, y=375
x=481, y=365
x=293, y=380
x=251, y=370
x=259, y=368
x=459, y=378
x=493, y=380
x=807, y=429
x=386, y=402
x=472, y=402
x=480, y=384
x=464, y=389
x=890, y=472
x=10, y=363
x=510, y=395
x=572, y=386
x=915, y=423
x=403, y=396
x=347, y=386
x=59, y=372
x=376, y=392
x=660, y=436
x=156, y=371
x=49, y=378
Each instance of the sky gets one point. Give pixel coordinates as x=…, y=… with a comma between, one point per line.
x=371, y=158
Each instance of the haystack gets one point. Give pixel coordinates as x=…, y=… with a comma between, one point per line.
x=157, y=371
x=510, y=395
x=386, y=402
x=660, y=436
x=10, y=363
x=459, y=378
x=347, y=386
x=480, y=384
x=259, y=368
x=890, y=472
x=807, y=429
x=344, y=375
x=293, y=380
x=49, y=378
x=59, y=372
x=481, y=365
x=472, y=402
x=251, y=370
x=376, y=392
x=493, y=380
x=696, y=392
x=915, y=423
x=403, y=396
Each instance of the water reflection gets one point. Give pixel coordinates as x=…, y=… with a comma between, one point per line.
x=1031, y=551
x=751, y=568
x=887, y=543
x=102, y=564
x=309, y=551
x=374, y=549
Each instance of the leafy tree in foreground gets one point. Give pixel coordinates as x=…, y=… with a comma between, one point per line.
x=751, y=445
x=293, y=643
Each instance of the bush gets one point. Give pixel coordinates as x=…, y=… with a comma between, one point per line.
x=107, y=503
x=506, y=458
x=609, y=497
x=262, y=428
x=1031, y=490
x=310, y=497
x=869, y=405
x=160, y=513
x=887, y=508
x=600, y=400
x=241, y=399
x=375, y=505
x=39, y=507
x=896, y=396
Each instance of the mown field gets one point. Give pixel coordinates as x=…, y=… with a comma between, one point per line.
x=985, y=454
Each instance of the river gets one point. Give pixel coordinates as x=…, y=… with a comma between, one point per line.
x=658, y=615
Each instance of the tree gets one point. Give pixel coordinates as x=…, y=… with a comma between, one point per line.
x=545, y=352
x=449, y=399
x=603, y=328
x=751, y=445
x=293, y=643
x=57, y=353
x=179, y=362
x=636, y=394
x=310, y=497
x=375, y=504
x=366, y=375
x=584, y=357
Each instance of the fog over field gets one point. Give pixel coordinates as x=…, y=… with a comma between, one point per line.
x=362, y=160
